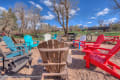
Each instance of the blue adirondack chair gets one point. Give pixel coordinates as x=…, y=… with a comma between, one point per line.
x=30, y=42
x=14, y=48
x=55, y=36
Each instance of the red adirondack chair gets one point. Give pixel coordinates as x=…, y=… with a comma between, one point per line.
x=102, y=60
x=97, y=43
x=77, y=43
x=112, y=38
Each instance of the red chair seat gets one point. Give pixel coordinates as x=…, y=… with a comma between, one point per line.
x=97, y=58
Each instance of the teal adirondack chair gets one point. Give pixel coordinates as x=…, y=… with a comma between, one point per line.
x=30, y=42
x=55, y=36
x=14, y=48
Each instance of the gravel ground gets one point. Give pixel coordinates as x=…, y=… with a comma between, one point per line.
x=76, y=70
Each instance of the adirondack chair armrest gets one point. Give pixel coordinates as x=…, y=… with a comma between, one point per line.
x=79, y=41
x=112, y=36
x=16, y=57
x=84, y=43
x=89, y=42
x=16, y=51
x=50, y=64
x=90, y=52
x=21, y=45
x=89, y=45
x=76, y=40
x=99, y=48
x=35, y=41
x=87, y=51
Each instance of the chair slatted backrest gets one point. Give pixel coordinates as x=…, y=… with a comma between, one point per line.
x=83, y=38
x=55, y=36
x=28, y=40
x=13, y=39
x=114, y=50
x=99, y=40
x=54, y=52
x=9, y=43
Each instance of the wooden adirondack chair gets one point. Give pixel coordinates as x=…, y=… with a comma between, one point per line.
x=97, y=43
x=102, y=60
x=30, y=42
x=77, y=43
x=16, y=63
x=10, y=44
x=54, y=57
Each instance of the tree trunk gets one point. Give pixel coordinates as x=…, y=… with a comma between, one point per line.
x=65, y=32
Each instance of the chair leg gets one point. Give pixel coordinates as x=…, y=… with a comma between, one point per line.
x=30, y=62
x=79, y=45
x=67, y=76
x=42, y=77
x=87, y=62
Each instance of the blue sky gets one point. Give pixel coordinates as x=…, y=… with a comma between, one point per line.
x=87, y=12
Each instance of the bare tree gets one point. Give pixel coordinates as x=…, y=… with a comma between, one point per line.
x=20, y=12
x=53, y=28
x=117, y=4
x=101, y=23
x=33, y=18
x=62, y=9
x=29, y=17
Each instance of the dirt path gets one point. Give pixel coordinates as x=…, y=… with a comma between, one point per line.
x=76, y=70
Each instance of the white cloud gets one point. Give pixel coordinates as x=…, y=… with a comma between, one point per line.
x=103, y=12
x=78, y=9
x=50, y=16
x=3, y=9
x=89, y=22
x=112, y=20
x=92, y=18
x=74, y=11
x=79, y=24
x=47, y=2
x=85, y=25
x=32, y=2
x=36, y=5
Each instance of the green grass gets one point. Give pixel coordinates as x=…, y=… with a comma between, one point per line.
x=112, y=34
x=77, y=32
